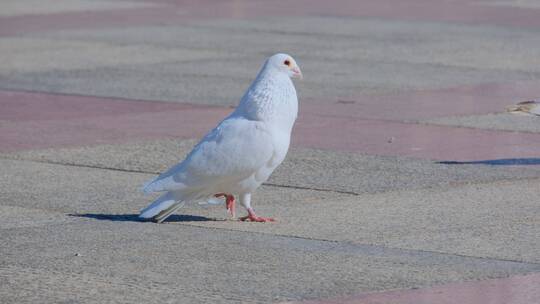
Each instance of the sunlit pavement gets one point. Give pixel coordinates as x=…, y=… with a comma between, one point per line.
x=406, y=183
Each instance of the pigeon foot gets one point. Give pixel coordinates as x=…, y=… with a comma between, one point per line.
x=229, y=202
x=252, y=217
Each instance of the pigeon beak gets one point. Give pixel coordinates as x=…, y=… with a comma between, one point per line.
x=296, y=73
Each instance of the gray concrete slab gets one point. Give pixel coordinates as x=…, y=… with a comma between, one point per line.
x=340, y=40
x=19, y=217
x=479, y=219
x=340, y=57
x=313, y=169
x=19, y=55
x=98, y=251
x=95, y=261
x=495, y=121
x=69, y=189
x=496, y=220
x=198, y=83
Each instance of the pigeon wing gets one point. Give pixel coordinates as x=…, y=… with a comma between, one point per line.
x=234, y=150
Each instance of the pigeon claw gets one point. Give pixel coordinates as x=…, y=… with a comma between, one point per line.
x=252, y=217
x=229, y=202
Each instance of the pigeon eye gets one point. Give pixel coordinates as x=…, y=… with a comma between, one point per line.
x=287, y=62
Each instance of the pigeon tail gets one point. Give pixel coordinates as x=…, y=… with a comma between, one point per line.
x=163, y=203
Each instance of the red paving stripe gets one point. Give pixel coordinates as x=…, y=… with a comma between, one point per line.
x=25, y=106
x=39, y=120
x=413, y=140
x=426, y=104
x=13, y=25
x=177, y=12
x=512, y=290
x=375, y=124
x=34, y=120
x=164, y=13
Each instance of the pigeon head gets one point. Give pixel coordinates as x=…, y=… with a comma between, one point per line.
x=286, y=64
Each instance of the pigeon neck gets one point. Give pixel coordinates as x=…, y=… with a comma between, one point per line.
x=270, y=97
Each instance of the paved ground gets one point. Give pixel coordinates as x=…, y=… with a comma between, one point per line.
x=406, y=183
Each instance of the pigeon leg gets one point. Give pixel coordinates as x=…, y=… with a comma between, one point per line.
x=245, y=200
x=229, y=202
x=252, y=217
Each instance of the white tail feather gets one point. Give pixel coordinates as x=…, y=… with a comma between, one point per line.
x=163, y=215
x=162, y=203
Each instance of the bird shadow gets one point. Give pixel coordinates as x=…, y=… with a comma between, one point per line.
x=136, y=218
x=497, y=162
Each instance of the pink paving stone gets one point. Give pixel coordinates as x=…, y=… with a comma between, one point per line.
x=512, y=290
x=177, y=12
x=13, y=25
x=426, y=104
x=366, y=124
x=33, y=121
x=165, y=12
x=24, y=106
x=412, y=140
x=36, y=120
x=183, y=124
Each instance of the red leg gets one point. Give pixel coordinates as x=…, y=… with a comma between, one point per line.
x=252, y=217
x=229, y=202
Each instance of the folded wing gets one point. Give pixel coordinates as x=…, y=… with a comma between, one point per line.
x=234, y=150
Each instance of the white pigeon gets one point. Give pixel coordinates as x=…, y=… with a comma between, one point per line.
x=525, y=108
x=238, y=155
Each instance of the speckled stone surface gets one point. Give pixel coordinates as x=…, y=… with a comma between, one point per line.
x=406, y=181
